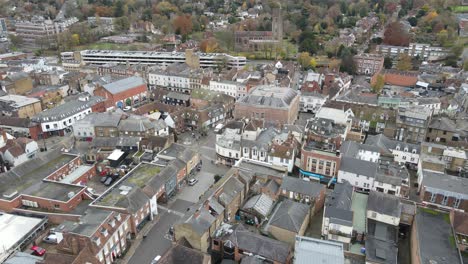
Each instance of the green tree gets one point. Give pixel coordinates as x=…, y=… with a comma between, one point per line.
x=75, y=40
x=308, y=42
x=304, y=60
x=15, y=40
x=348, y=65
x=121, y=24
x=404, y=63
x=378, y=85
x=388, y=63
x=119, y=8
x=217, y=177
x=413, y=21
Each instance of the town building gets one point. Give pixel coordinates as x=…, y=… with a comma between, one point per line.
x=273, y=104
x=431, y=238
x=412, y=123
x=424, y=51
x=103, y=236
x=444, y=191
x=40, y=32
x=368, y=63
x=445, y=131
x=312, y=101
x=204, y=60
x=402, y=152
x=308, y=192
x=59, y=120
x=17, y=83
x=19, y=106
x=178, y=77
x=19, y=150
x=322, y=251
x=130, y=91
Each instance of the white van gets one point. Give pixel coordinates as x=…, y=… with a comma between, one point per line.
x=218, y=128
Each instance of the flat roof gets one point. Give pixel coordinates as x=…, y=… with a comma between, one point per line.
x=321, y=251
x=359, y=206
x=116, y=154
x=435, y=237
x=18, y=100
x=70, y=178
x=13, y=229
x=28, y=177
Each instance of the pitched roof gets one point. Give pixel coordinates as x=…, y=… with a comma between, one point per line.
x=289, y=215
x=445, y=182
x=383, y=203
x=358, y=167
x=261, y=203
x=297, y=185
x=124, y=84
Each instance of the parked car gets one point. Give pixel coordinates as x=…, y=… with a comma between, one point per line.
x=109, y=181
x=37, y=251
x=51, y=239
x=250, y=221
x=156, y=259
x=127, y=108
x=104, y=179
x=192, y=182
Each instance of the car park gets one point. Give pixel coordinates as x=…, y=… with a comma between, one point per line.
x=104, y=179
x=51, y=239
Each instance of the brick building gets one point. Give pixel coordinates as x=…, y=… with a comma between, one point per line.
x=444, y=191
x=50, y=183
x=19, y=106
x=368, y=63
x=395, y=77
x=99, y=237
x=320, y=161
x=125, y=92
x=272, y=104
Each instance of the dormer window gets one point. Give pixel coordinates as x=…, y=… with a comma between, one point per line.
x=97, y=241
x=112, y=223
x=104, y=232
x=397, y=148
x=406, y=149
x=118, y=217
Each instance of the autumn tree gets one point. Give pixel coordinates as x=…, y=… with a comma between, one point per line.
x=378, y=84
x=396, y=35
x=75, y=40
x=209, y=45
x=165, y=8
x=306, y=61
x=404, y=62
x=183, y=24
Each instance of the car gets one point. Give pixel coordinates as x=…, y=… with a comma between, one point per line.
x=37, y=251
x=250, y=221
x=109, y=181
x=127, y=108
x=156, y=259
x=104, y=179
x=192, y=181
x=51, y=239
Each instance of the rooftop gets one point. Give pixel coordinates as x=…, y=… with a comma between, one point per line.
x=289, y=215
x=321, y=251
x=435, y=238
x=27, y=178
x=297, y=185
x=15, y=228
x=90, y=222
x=269, y=96
x=124, y=84
x=358, y=207
x=68, y=109
x=444, y=182
x=18, y=100
x=108, y=119
x=385, y=204
x=260, y=203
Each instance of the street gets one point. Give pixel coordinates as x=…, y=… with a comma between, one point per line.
x=157, y=241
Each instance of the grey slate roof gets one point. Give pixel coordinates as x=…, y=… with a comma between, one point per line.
x=338, y=204
x=124, y=84
x=66, y=110
x=202, y=222
x=351, y=149
x=230, y=190
x=134, y=201
x=380, y=251
x=178, y=96
x=113, y=142
x=136, y=124
x=386, y=145
x=269, y=96
x=91, y=221
x=266, y=247
x=382, y=203
x=290, y=215
x=433, y=236
x=358, y=167
x=445, y=182
x=297, y=185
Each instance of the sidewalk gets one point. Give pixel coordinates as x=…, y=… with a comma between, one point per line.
x=135, y=243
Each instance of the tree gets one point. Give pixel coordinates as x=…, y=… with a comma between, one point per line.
x=209, y=45
x=118, y=9
x=396, y=35
x=404, y=63
x=15, y=40
x=183, y=24
x=166, y=8
x=308, y=42
x=388, y=63
x=304, y=59
x=75, y=40
x=413, y=21
x=347, y=64
x=378, y=85
x=217, y=177
x=121, y=23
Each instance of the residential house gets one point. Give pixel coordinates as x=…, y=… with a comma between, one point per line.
x=19, y=150
x=191, y=158
x=97, y=125
x=337, y=224
x=288, y=220
x=402, y=152
x=231, y=195
x=412, y=123
x=178, y=99
x=236, y=242
x=442, y=130
x=308, y=192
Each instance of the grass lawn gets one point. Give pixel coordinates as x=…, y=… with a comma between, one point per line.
x=460, y=9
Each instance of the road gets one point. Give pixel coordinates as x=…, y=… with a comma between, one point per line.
x=156, y=242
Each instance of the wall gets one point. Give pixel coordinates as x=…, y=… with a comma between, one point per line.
x=358, y=181
x=30, y=110
x=65, y=122
x=53, y=218
x=395, y=221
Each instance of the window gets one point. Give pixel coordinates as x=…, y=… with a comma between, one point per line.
x=445, y=200
x=433, y=197
x=47, y=126
x=456, y=203
x=57, y=206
